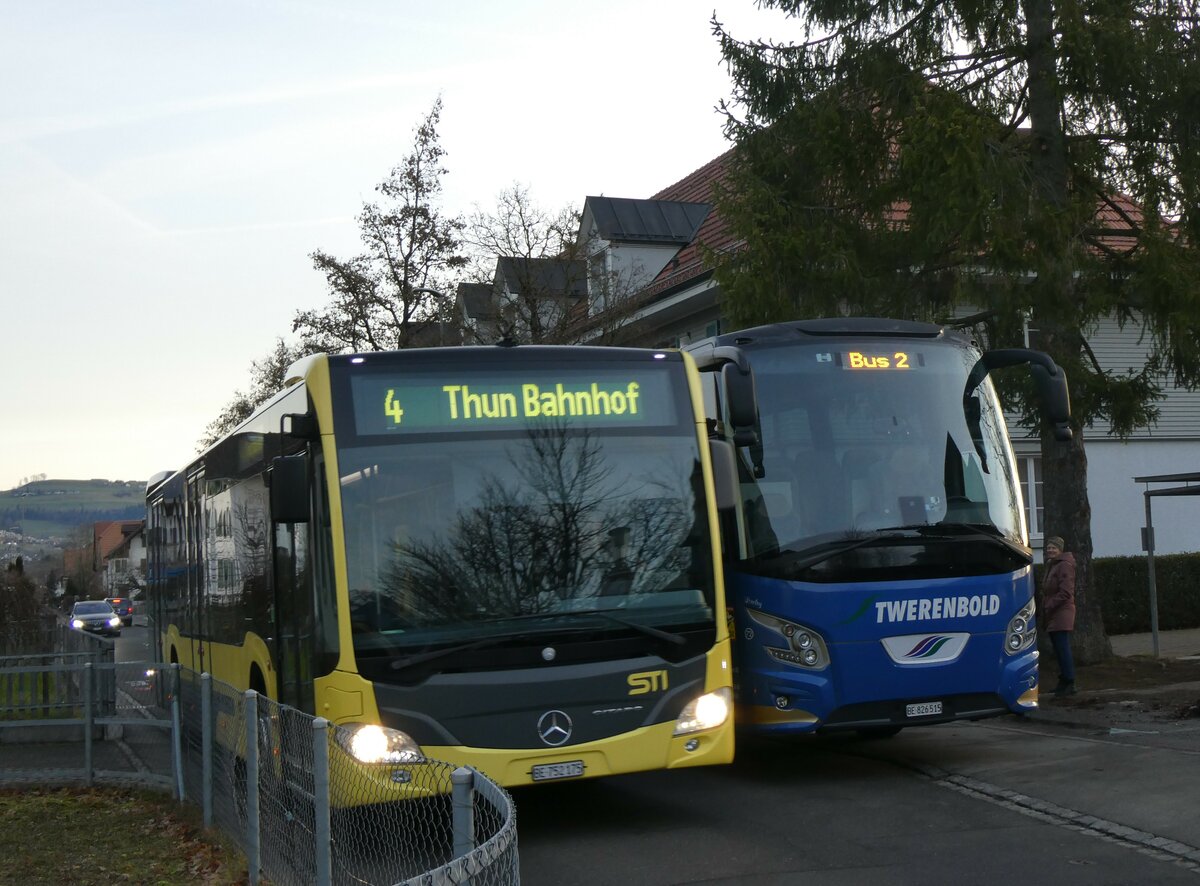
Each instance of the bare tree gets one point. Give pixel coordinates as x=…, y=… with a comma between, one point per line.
x=527, y=269
x=383, y=297
x=533, y=278
x=266, y=379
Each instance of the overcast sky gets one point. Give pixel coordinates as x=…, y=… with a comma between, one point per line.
x=166, y=168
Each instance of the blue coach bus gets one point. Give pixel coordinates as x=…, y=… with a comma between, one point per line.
x=878, y=565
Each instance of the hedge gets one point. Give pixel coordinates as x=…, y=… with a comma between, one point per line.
x=1124, y=590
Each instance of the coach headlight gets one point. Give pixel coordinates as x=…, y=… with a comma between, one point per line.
x=706, y=712
x=1022, y=633
x=369, y=743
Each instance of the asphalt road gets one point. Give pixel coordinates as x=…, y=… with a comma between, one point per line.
x=1045, y=799
x=997, y=802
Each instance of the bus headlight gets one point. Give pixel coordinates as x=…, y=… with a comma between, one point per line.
x=706, y=712
x=1022, y=632
x=369, y=743
x=805, y=647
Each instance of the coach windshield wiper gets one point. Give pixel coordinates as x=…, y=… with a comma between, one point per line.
x=978, y=532
x=819, y=553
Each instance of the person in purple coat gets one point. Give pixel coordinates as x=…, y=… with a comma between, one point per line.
x=1058, y=601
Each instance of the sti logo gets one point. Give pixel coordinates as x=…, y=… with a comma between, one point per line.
x=647, y=681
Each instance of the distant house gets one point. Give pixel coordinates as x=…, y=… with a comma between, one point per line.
x=119, y=553
x=529, y=299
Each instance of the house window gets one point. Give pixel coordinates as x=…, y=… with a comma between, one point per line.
x=1029, y=469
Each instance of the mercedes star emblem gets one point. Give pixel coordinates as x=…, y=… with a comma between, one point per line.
x=554, y=728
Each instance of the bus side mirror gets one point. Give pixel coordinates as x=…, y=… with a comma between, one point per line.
x=289, y=489
x=742, y=402
x=1049, y=377
x=725, y=475
x=1056, y=399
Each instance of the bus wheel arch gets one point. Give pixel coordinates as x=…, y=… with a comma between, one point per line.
x=257, y=681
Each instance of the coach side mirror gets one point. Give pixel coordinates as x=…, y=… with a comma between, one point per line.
x=1049, y=377
x=742, y=402
x=1056, y=399
x=289, y=489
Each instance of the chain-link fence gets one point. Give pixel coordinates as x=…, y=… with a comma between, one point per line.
x=286, y=786
x=70, y=718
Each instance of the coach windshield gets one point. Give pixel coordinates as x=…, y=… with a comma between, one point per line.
x=866, y=445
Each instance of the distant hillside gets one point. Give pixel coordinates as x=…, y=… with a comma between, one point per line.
x=56, y=508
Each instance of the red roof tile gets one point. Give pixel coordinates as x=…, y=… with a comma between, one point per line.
x=1112, y=217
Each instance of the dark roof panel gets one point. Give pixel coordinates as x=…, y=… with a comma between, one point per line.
x=647, y=221
x=477, y=300
x=543, y=276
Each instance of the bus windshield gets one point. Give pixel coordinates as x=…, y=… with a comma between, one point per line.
x=586, y=525
x=864, y=444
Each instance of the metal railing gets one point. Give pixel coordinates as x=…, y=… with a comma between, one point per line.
x=279, y=782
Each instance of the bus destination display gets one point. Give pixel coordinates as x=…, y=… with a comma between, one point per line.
x=388, y=404
x=886, y=360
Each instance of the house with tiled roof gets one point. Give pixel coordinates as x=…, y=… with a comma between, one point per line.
x=119, y=553
x=681, y=303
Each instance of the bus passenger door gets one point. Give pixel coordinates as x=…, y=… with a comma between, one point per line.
x=291, y=502
x=194, y=622
x=293, y=616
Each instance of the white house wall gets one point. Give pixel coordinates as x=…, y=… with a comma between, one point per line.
x=1120, y=350
x=1118, y=506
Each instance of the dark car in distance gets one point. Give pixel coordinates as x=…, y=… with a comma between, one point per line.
x=123, y=606
x=96, y=617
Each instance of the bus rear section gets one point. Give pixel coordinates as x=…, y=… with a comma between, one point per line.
x=879, y=568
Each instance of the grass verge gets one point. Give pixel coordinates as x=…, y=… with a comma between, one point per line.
x=89, y=837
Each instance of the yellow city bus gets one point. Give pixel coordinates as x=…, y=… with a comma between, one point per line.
x=501, y=557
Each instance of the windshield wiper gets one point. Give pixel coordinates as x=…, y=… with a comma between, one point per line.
x=496, y=639
x=657, y=633
x=978, y=532
x=434, y=654
x=819, y=553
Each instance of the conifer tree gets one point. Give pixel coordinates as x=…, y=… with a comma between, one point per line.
x=1026, y=158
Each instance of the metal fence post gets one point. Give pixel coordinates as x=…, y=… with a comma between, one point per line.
x=1149, y=546
x=321, y=829
x=463, y=780
x=87, y=723
x=253, y=852
x=177, y=731
x=206, y=746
